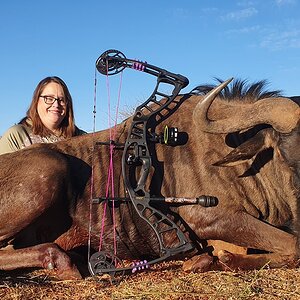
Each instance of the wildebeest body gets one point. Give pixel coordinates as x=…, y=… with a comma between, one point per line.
x=257, y=191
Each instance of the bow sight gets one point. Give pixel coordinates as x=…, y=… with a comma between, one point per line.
x=137, y=157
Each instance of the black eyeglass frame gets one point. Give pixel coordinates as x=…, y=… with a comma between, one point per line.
x=50, y=100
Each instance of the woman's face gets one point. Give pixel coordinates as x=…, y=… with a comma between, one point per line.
x=52, y=114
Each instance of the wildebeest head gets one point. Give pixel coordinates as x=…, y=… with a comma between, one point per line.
x=280, y=113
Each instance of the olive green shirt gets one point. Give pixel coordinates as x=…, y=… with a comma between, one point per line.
x=20, y=136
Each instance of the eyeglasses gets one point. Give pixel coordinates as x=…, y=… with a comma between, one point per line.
x=51, y=100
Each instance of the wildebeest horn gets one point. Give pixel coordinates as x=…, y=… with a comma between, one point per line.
x=281, y=113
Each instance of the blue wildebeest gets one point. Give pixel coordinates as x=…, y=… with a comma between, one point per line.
x=243, y=152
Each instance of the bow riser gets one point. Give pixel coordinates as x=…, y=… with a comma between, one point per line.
x=138, y=157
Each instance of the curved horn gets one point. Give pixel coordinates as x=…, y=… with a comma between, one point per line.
x=281, y=113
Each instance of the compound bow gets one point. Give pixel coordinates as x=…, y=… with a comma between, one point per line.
x=136, y=154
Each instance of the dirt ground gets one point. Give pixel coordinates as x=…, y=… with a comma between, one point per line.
x=162, y=281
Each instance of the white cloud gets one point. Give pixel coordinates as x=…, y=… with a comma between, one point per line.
x=284, y=2
x=245, y=3
x=282, y=40
x=240, y=14
x=209, y=9
x=181, y=13
x=244, y=30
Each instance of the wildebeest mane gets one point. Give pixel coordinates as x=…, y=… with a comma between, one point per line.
x=296, y=99
x=239, y=89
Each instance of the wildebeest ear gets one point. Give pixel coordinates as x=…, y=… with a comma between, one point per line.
x=249, y=149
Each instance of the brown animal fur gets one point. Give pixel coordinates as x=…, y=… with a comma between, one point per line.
x=258, y=199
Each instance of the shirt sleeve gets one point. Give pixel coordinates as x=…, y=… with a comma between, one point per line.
x=15, y=138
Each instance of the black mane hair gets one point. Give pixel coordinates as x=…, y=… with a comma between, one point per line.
x=239, y=89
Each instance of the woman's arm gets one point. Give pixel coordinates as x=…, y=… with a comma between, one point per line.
x=15, y=138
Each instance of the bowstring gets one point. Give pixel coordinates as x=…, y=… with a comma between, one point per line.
x=112, y=137
x=110, y=172
x=92, y=175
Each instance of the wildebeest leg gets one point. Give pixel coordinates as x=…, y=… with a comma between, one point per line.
x=48, y=256
x=244, y=230
x=218, y=245
x=74, y=237
x=35, y=183
x=40, y=178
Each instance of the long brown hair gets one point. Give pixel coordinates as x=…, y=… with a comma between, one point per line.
x=67, y=126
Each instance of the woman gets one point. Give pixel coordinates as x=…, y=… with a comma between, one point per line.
x=50, y=118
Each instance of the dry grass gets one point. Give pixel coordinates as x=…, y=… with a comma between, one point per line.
x=164, y=281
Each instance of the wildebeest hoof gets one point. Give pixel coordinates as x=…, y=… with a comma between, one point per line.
x=226, y=261
x=71, y=274
x=225, y=256
x=199, y=263
x=50, y=266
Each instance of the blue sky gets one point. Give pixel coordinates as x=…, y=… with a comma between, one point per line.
x=199, y=39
